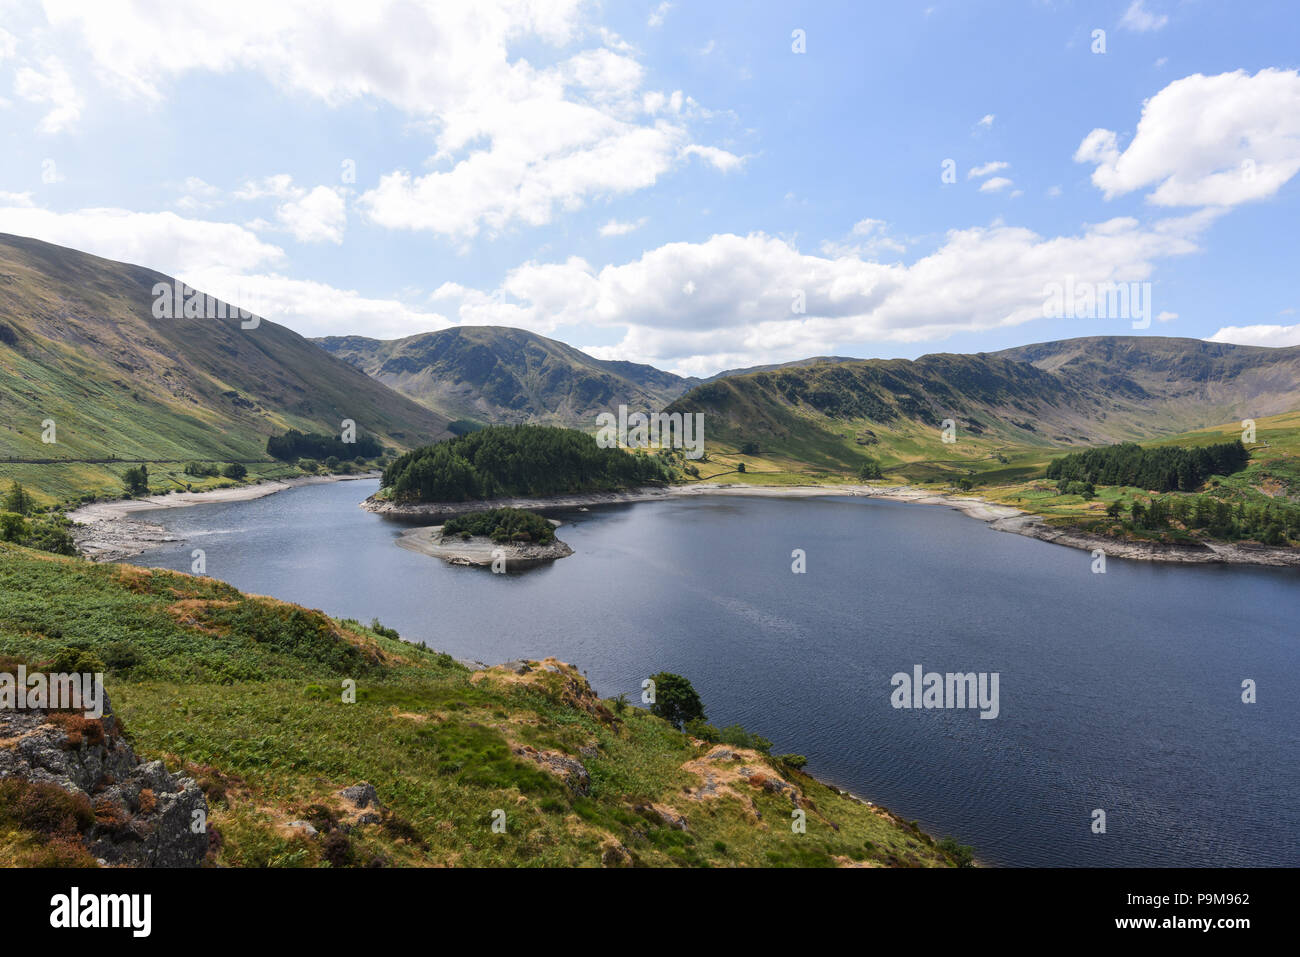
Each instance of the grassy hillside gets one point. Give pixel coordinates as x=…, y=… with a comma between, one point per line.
x=1011, y=409
x=79, y=345
x=243, y=693
x=498, y=375
x=1271, y=480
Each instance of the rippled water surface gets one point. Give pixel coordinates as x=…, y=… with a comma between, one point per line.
x=1119, y=691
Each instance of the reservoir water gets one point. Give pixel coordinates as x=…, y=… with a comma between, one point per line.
x=1119, y=691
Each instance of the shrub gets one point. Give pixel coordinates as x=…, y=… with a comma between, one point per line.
x=675, y=699
x=963, y=855
x=235, y=470
x=870, y=469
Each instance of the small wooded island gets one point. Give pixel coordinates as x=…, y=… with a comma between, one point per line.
x=503, y=538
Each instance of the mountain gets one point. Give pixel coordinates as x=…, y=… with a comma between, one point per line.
x=1187, y=383
x=1059, y=394
x=495, y=374
x=79, y=345
x=797, y=363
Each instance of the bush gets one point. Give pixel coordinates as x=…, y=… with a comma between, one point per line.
x=870, y=469
x=379, y=629
x=675, y=700
x=13, y=527
x=795, y=761
x=17, y=500
x=136, y=480
x=121, y=656
x=961, y=853
x=235, y=470
x=738, y=737
x=76, y=659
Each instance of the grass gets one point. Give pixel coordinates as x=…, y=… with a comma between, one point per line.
x=246, y=694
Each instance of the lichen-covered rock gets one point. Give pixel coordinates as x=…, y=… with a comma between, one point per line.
x=145, y=816
x=570, y=770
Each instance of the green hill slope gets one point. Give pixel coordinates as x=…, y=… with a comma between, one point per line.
x=499, y=375
x=79, y=345
x=1008, y=407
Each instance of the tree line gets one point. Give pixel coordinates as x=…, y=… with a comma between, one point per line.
x=506, y=460
x=1166, y=468
x=294, y=445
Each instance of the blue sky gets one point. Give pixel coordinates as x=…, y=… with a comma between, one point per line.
x=674, y=183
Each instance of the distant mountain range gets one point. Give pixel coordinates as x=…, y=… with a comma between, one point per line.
x=496, y=374
x=79, y=345
x=1070, y=393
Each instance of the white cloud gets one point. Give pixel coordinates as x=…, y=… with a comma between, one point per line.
x=280, y=186
x=8, y=44
x=1141, y=20
x=994, y=184
x=868, y=239
x=514, y=139
x=1166, y=317
x=319, y=216
x=616, y=228
x=986, y=121
x=719, y=158
x=50, y=86
x=990, y=167
x=1206, y=141
x=699, y=307
x=1262, y=335
x=1053, y=191
x=197, y=195
x=221, y=259
x=656, y=18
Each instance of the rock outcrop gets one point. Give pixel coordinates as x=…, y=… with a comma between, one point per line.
x=145, y=816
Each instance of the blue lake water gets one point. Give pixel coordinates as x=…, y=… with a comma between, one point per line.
x=1119, y=692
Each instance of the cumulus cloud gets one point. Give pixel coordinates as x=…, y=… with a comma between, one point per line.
x=514, y=139
x=699, y=307
x=995, y=184
x=1261, y=335
x=318, y=216
x=50, y=86
x=222, y=259
x=1206, y=141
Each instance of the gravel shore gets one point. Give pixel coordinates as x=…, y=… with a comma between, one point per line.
x=113, y=531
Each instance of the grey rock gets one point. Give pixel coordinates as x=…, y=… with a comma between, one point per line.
x=145, y=815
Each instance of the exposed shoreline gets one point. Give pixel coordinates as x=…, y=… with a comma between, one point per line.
x=111, y=531
x=114, y=531
x=480, y=550
x=1002, y=518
